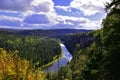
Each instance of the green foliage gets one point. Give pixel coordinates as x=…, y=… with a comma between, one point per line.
x=111, y=45
x=100, y=60
x=84, y=39
x=39, y=51
x=96, y=54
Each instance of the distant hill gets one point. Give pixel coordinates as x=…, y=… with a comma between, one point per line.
x=51, y=33
x=45, y=33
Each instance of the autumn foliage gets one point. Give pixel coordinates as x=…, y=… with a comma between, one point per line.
x=12, y=67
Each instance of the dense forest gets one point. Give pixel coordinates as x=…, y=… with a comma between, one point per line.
x=56, y=33
x=84, y=39
x=50, y=33
x=99, y=60
x=39, y=51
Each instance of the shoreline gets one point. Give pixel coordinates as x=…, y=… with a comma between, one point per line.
x=52, y=62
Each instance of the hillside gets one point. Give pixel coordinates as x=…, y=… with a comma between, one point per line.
x=39, y=51
x=84, y=39
x=100, y=60
x=45, y=33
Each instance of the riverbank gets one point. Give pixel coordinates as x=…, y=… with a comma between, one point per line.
x=52, y=62
x=59, y=62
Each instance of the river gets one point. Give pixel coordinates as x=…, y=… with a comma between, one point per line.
x=61, y=62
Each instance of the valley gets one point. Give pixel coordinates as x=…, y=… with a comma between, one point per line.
x=79, y=41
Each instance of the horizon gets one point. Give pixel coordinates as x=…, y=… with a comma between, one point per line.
x=52, y=14
x=6, y=29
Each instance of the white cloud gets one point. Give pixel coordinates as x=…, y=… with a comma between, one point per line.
x=51, y=21
x=89, y=7
x=43, y=5
x=90, y=25
x=75, y=22
x=58, y=22
x=68, y=18
x=10, y=18
x=46, y=17
x=27, y=5
x=65, y=8
x=15, y=27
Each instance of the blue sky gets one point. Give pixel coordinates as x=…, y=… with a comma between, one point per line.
x=52, y=14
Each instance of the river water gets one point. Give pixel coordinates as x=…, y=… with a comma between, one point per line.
x=62, y=62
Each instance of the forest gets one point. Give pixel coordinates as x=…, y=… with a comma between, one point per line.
x=39, y=51
x=96, y=54
x=99, y=60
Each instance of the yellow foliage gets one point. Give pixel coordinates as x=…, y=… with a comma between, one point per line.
x=30, y=76
x=12, y=67
x=40, y=76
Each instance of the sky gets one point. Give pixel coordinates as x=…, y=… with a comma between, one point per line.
x=52, y=14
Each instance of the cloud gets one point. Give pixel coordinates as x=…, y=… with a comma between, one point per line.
x=45, y=21
x=10, y=21
x=32, y=12
x=93, y=25
x=73, y=20
x=36, y=19
x=43, y=5
x=75, y=23
x=27, y=5
x=65, y=8
x=89, y=7
x=41, y=14
x=10, y=18
x=15, y=5
x=40, y=21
